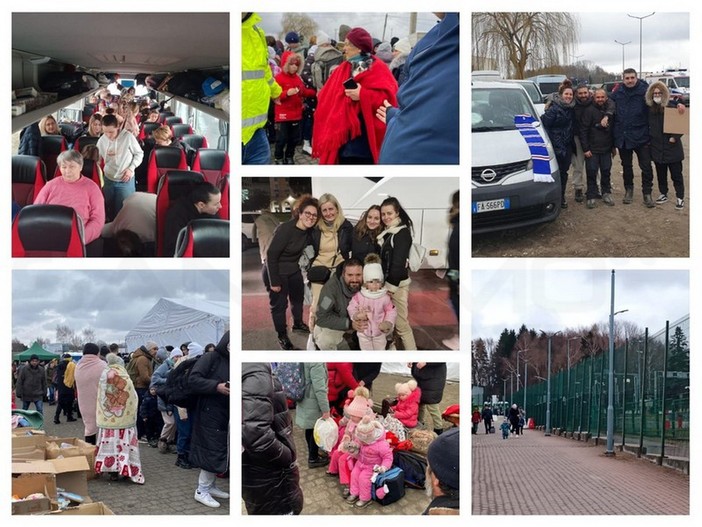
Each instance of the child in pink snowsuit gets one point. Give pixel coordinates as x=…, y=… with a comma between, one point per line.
x=373, y=303
x=375, y=456
x=343, y=458
x=407, y=408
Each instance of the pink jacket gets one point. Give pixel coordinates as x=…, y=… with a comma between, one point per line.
x=88, y=372
x=407, y=411
x=378, y=453
x=378, y=310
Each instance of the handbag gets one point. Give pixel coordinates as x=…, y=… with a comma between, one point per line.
x=318, y=274
x=416, y=255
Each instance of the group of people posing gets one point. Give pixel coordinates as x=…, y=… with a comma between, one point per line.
x=358, y=101
x=358, y=276
x=587, y=130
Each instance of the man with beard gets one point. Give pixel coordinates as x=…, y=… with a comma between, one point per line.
x=31, y=385
x=596, y=140
x=333, y=322
x=443, y=481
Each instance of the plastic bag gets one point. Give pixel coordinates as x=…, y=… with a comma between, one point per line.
x=326, y=434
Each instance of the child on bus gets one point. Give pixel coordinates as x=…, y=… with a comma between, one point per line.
x=374, y=305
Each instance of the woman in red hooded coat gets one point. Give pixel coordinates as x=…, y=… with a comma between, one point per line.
x=346, y=130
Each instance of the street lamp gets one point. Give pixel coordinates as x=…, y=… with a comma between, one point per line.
x=568, y=379
x=610, y=386
x=525, y=378
x=641, y=18
x=622, y=44
x=550, y=336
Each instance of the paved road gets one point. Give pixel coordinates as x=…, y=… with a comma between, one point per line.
x=430, y=314
x=542, y=475
x=322, y=493
x=168, y=489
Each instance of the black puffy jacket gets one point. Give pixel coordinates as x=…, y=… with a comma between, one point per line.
x=344, y=237
x=431, y=379
x=270, y=477
x=559, y=121
x=209, y=447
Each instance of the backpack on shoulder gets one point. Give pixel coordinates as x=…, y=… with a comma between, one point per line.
x=176, y=389
x=416, y=255
x=292, y=376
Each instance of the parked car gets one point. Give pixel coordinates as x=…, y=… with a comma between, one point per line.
x=503, y=191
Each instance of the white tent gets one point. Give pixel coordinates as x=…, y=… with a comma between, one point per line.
x=173, y=321
x=400, y=368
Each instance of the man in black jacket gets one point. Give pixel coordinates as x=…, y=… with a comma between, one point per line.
x=597, y=142
x=204, y=201
x=431, y=379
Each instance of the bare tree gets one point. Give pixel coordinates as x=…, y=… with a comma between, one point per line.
x=300, y=23
x=64, y=334
x=88, y=334
x=518, y=41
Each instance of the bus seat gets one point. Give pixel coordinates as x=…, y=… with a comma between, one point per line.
x=162, y=116
x=171, y=120
x=212, y=163
x=181, y=129
x=90, y=169
x=162, y=159
x=47, y=231
x=83, y=141
x=204, y=238
x=50, y=147
x=195, y=140
x=223, y=186
x=173, y=185
x=147, y=129
x=28, y=178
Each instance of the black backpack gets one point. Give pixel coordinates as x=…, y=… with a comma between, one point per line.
x=413, y=465
x=176, y=389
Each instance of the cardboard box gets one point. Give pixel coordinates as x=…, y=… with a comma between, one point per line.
x=58, y=447
x=24, y=441
x=674, y=123
x=71, y=473
x=28, y=453
x=27, y=484
x=94, y=509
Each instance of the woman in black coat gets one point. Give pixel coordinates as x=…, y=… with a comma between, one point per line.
x=513, y=416
x=270, y=477
x=431, y=379
x=365, y=234
x=209, y=447
x=559, y=121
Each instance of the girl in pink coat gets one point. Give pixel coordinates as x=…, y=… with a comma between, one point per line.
x=373, y=303
x=374, y=456
x=407, y=408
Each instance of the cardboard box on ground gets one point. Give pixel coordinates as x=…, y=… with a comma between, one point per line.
x=43, y=464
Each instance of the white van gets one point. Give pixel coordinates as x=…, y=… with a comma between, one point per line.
x=548, y=84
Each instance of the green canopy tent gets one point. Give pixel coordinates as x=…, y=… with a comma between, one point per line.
x=37, y=350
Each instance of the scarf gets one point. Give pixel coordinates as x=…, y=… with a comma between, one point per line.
x=537, y=147
x=117, y=399
x=393, y=228
x=337, y=116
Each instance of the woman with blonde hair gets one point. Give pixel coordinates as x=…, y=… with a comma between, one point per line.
x=331, y=244
x=49, y=126
x=94, y=126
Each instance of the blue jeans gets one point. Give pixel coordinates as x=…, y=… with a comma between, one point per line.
x=184, y=431
x=39, y=404
x=115, y=193
x=257, y=151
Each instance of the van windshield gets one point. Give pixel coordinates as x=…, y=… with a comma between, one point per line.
x=549, y=87
x=495, y=108
x=683, y=82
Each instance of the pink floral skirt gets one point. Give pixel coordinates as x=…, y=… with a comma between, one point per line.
x=118, y=451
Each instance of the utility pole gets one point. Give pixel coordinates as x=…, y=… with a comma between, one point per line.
x=385, y=25
x=622, y=44
x=413, y=23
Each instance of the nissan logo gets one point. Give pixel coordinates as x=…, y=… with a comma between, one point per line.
x=488, y=175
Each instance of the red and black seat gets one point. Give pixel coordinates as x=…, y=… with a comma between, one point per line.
x=204, y=238
x=181, y=129
x=90, y=169
x=84, y=140
x=173, y=119
x=163, y=115
x=223, y=186
x=50, y=146
x=47, y=231
x=28, y=178
x=148, y=129
x=195, y=140
x=161, y=160
x=212, y=163
x=173, y=185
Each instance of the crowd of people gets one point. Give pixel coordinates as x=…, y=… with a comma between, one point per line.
x=356, y=278
x=117, y=207
x=512, y=423
x=355, y=100
x=342, y=392
x=121, y=407
x=586, y=130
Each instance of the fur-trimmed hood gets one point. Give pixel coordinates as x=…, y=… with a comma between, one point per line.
x=663, y=89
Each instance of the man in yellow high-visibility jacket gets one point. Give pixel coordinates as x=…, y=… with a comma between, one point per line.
x=258, y=87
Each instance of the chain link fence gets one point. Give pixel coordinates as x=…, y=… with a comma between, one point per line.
x=651, y=394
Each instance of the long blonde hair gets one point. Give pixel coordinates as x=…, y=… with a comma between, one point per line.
x=321, y=223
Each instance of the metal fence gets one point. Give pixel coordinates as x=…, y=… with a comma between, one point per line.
x=651, y=394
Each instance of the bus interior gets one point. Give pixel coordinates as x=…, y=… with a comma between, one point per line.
x=79, y=67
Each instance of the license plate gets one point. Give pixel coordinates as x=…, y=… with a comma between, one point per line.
x=490, y=205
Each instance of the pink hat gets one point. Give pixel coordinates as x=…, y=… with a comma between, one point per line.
x=359, y=407
x=369, y=430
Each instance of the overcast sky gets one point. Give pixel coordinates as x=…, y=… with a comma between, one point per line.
x=397, y=23
x=110, y=302
x=555, y=300
x=666, y=40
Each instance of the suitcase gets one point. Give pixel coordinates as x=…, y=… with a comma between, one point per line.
x=394, y=479
x=492, y=429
